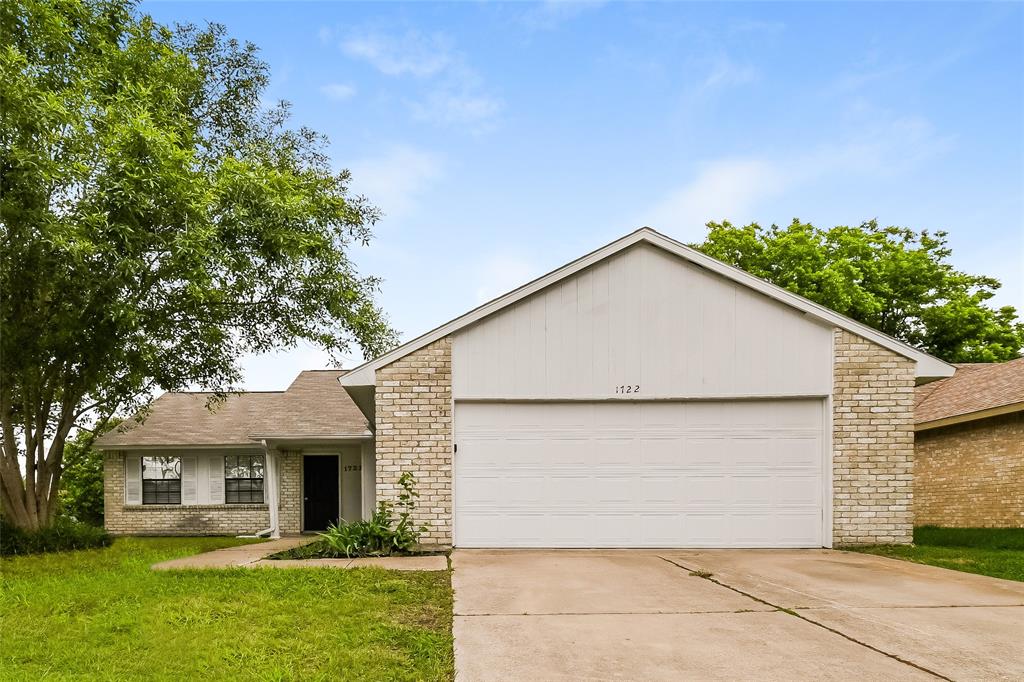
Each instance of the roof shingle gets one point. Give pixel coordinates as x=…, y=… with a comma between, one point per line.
x=974, y=388
x=315, y=405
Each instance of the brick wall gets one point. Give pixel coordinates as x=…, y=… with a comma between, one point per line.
x=289, y=514
x=173, y=519
x=414, y=422
x=971, y=474
x=873, y=443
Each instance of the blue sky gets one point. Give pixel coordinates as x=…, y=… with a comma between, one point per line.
x=502, y=140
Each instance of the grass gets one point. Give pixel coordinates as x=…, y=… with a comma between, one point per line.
x=996, y=552
x=103, y=614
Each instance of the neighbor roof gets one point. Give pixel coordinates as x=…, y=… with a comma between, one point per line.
x=976, y=391
x=313, y=407
x=927, y=366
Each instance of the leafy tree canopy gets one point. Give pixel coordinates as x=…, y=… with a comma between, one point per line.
x=158, y=221
x=81, y=489
x=892, y=278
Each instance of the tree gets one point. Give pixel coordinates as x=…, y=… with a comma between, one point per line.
x=157, y=223
x=891, y=278
x=81, y=490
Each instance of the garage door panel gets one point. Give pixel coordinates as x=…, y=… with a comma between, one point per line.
x=664, y=451
x=707, y=451
x=751, y=451
x=670, y=474
x=804, y=451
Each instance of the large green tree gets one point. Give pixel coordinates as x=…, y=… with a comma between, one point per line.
x=157, y=222
x=894, y=279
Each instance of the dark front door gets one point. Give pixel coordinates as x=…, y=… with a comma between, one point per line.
x=320, y=490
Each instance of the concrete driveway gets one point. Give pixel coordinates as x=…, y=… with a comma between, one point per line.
x=771, y=614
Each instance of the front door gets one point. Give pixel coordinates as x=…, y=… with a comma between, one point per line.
x=320, y=490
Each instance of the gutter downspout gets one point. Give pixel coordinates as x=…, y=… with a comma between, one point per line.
x=270, y=489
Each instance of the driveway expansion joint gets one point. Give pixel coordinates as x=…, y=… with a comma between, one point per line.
x=606, y=613
x=794, y=613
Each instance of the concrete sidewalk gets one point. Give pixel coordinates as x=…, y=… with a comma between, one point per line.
x=254, y=556
x=240, y=555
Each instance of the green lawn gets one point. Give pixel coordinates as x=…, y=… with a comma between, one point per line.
x=998, y=552
x=102, y=614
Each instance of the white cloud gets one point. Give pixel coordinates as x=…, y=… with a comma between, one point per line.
x=338, y=91
x=410, y=54
x=735, y=189
x=724, y=189
x=551, y=13
x=453, y=93
x=275, y=371
x=500, y=274
x=726, y=72
x=448, y=107
x=325, y=34
x=394, y=180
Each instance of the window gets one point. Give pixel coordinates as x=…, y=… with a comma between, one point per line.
x=243, y=479
x=161, y=480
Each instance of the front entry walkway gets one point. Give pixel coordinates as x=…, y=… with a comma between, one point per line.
x=729, y=614
x=255, y=556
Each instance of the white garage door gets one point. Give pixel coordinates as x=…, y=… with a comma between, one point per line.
x=639, y=474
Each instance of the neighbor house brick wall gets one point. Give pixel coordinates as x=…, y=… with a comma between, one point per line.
x=289, y=508
x=971, y=474
x=414, y=434
x=172, y=519
x=873, y=443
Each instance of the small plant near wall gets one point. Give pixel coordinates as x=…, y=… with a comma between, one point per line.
x=390, y=531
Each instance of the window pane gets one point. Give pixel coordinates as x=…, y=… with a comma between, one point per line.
x=161, y=468
x=160, y=491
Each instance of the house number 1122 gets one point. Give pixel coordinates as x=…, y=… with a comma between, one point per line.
x=628, y=388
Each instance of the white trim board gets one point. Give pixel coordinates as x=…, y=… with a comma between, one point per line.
x=927, y=366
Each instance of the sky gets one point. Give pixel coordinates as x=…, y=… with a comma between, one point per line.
x=504, y=140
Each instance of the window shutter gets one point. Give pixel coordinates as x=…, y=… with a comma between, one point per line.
x=189, y=481
x=216, y=465
x=133, y=480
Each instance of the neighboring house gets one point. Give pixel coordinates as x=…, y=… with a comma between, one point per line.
x=644, y=395
x=969, y=448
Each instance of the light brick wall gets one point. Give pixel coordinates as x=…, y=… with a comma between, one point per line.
x=971, y=474
x=289, y=514
x=873, y=443
x=414, y=434
x=173, y=519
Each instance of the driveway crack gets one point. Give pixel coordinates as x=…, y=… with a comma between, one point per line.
x=794, y=613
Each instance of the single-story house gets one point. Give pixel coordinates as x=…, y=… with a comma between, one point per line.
x=643, y=395
x=969, y=448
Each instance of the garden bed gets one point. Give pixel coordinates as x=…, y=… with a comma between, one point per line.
x=322, y=549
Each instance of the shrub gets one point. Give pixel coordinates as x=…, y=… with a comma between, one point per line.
x=388, y=532
x=64, y=534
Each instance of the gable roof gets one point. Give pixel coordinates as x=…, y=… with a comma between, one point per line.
x=313, y=407
x=976, y=391
x=927, y=366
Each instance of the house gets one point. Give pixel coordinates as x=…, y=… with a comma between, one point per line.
x=197, y=466
x=643, y=395
x=969, y=448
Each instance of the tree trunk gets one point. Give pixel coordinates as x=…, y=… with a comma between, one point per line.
x=28, y=497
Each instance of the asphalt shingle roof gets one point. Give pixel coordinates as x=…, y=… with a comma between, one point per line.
x=974, y=387
x=315, y=405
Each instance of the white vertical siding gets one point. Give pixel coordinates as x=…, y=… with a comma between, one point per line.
x=351, y=484
x=643, y=317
